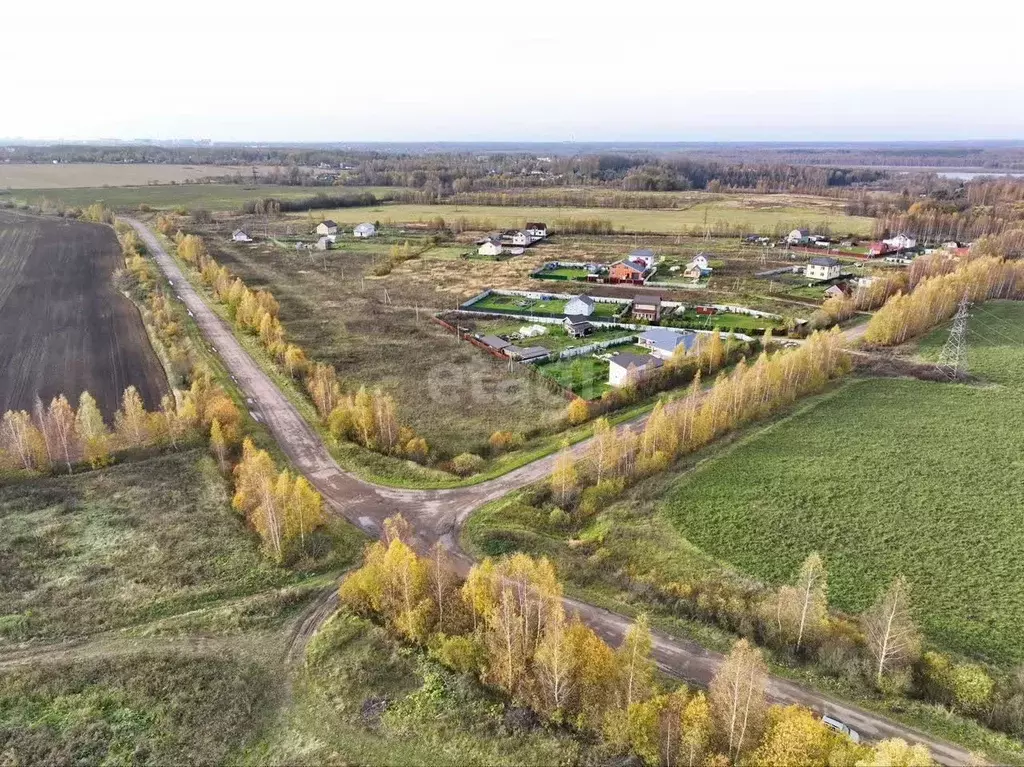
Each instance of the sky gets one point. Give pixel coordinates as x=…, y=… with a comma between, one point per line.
x=471, y=70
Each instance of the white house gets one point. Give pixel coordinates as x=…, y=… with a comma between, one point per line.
x=537, y=230
x=798, y=236
x=582, y=306
x=901, y=242
x=624, y=368
x=365, y=230
x=239, y=236
x=700, y=261
x=662, y=342
x=326, y=227
x=490, y=247
x=520, y=239
x=822, y=268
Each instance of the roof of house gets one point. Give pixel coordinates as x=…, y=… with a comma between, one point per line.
x=835, y=290
x=494, y=239
x=667, y=340
x=824, y=261
x=494, y=342
x=636, y=266
x=328, y=222
x=532, y=352
x=628, y=360
x=803, y=232
x=652, y=301
x=239, y=232
x=578, y=323
x=536, y=225
x=642, y=253
x=587, y=300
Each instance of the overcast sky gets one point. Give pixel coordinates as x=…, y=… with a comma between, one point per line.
x=505, y=71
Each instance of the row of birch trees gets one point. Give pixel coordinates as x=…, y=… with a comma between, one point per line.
x=506, y=623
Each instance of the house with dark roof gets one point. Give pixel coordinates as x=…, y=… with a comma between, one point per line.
x=240, y=236
x=528, y=354
x=578, y=327
x=536, y=229
x=326, y=227
x=822, y=268
x=647, y=308
x=624, y=367
x=494, y=342
x=799, y=237
x=490, y=246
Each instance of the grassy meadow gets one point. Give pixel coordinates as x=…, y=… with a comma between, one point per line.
x=377, y=331
x=168, y=196
x=364, y=699
x=756, y=213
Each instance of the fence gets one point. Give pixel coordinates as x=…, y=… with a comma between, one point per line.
x=579, y=351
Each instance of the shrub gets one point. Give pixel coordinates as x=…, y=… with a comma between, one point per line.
x=501, y=441
x=466, y=464
x=464, y=654
x=577, y=412
x=600, y=495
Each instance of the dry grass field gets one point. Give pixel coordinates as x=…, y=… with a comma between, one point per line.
x=368, y=327
x=65, y=328
x=753, y=213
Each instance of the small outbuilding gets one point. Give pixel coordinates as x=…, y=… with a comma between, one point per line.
x=582, y=306
x=239, y=236
x=365, y=229
x=326, y=227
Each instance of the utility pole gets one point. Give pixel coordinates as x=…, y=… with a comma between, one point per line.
x=953, y=358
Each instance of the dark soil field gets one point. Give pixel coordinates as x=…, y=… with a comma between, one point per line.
x=64, y=328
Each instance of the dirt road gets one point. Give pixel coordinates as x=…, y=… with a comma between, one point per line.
x=436, y=515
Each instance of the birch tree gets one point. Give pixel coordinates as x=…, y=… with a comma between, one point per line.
x=737, y=695
x=892, y=636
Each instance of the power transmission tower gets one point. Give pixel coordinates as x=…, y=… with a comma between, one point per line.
x=953, y=358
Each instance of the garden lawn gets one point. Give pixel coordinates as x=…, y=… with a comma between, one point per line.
x=889, y=476
x=586, y=376
x=553, y=306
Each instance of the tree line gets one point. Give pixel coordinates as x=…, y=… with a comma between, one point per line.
x=617, y=458
x=938, y=284
x=366, y=417
x=506, y=624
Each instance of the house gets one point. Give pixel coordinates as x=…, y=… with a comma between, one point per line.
x=901, y=242
x=877, y=249
x=635, y=269
x=700, y=261
x=578, y=328
x=519, y=239
x=798, y=236
x=624, y=368
x=645, y=308
x=663, y=342
x=326, y=227
x=822, y=268
x=582, y=306
x=697, y=268
x=365, y=229
x=835, y=291
x=495, y=343
x=324, y=243
x=239, y=236
x=902, y=258
x=537, y=229
x=490, y=246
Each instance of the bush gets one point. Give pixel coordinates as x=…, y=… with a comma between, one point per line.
x=600, y=495
x=501, y=441
x=466, y=464
x=464, y=654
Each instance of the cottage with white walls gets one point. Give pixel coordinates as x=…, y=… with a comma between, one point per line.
x=822, y=268
x=365, y=229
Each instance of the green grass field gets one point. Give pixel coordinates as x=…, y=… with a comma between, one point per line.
x=756, y=213
x=586, y=376
x=568, y=272
x=556, y=339
x=741, y=323
x=553, y=306
x=889, y=476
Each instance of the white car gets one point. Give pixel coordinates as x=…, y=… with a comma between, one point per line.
x=834, y=724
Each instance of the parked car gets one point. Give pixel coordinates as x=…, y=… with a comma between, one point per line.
x=834, y=724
